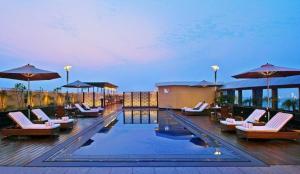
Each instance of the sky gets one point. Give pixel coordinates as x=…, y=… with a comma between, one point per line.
x=137, y=43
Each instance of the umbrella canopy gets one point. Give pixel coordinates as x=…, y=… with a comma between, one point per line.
x=77, y=84
x=267, y=71
x=29, y=73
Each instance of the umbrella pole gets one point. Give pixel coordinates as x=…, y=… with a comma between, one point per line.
x=268, y=96
x=28, y=98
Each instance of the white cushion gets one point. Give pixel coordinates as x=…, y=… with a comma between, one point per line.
x=255, y=115
x=279, y=120
x=256, y=129
x=25, y=123
x=20, y=119
x=83, y=110
x=40, y=114
x=59, y=121
x=41, y=126
x=230, y=123
x=204, y=106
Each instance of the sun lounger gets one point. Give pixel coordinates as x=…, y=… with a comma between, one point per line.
x=99, y=109
x=270, y=131
x=197, y=111
x=92, y=112
x=196, y=107
x=65, y=122
x=229, y=124
x=27, y=128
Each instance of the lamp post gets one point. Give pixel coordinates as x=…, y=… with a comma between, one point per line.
x=215, y=68
x=67, y=68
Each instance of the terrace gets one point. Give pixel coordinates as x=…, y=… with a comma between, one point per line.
x=14, y=152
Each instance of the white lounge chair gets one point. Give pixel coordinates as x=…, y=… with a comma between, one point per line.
x=196, y=106
x=197, y=111
x=99, y=109
x=229, y=124
x=92, y=112
x=64, y=123
x=271, y=130
x=27, y=128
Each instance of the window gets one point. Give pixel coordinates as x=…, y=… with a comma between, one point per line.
x=236, y=97
x=247, y=98
x=265, y=98
x=288, y=99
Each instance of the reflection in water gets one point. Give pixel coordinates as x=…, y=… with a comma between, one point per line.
x=140, y=116
x=167, y=126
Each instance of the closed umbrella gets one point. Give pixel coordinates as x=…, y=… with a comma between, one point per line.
x=268, y=71
x=28, y=73
x=77, y=84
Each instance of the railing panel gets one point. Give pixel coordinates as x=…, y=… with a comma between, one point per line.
x=140, y=99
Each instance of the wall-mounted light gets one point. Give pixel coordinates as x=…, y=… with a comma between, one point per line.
x=166, y=91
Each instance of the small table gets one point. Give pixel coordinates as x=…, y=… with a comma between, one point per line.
x=257, y=123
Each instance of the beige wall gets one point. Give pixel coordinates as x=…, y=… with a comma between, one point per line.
x=184, y=96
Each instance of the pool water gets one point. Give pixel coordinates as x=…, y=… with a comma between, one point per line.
x=154, y=135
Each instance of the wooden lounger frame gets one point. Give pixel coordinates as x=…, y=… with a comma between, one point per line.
x=290, y=135
x=6, y=132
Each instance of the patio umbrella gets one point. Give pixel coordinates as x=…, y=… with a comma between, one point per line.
x=28, y=73
x=77, y=84
x=268, y=71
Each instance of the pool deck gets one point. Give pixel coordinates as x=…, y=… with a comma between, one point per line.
x=282, y=156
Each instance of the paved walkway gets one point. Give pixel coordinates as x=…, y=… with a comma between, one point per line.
x=277, y=169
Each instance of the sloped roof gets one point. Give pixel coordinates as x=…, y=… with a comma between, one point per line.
x=292, y=81
x=202, y=83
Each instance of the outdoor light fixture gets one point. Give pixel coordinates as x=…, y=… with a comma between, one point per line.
x=67, y=68
x=215, y=68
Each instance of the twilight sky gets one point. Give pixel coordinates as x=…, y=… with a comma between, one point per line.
x=136, y=43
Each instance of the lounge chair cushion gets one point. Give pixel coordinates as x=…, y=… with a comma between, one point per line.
x=256, y=129
x=42, y=126
x=274, y=125
x=43, y=116
x=84, y=111
x=255, y=115
x=89, y=108
x=204, y=106
x=231, y=123
x=196, y=106
x=279, y=120
x=25, y=123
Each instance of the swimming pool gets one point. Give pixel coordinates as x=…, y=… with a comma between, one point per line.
x=150, y=137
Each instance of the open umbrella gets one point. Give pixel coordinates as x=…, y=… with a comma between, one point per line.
x=268, y=71
x=28, y=73
x=77, y=84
